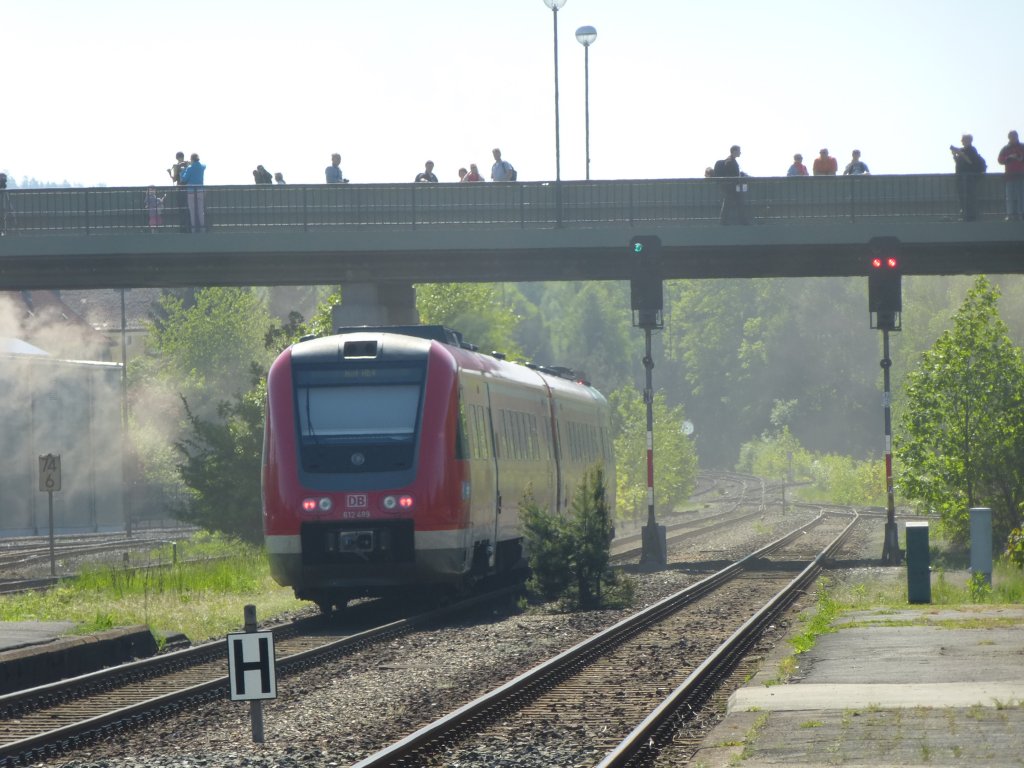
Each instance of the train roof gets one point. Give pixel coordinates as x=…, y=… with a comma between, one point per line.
x=453, y=338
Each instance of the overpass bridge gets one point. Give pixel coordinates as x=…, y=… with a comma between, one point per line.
x=421, y=233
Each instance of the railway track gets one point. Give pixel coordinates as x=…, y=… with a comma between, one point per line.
x=54, y=719
x=743, y=499
x=620, y=692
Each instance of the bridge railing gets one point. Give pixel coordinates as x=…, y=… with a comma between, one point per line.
x=572, y=204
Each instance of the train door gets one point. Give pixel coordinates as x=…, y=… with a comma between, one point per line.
x=482, y=482
x=496, y=526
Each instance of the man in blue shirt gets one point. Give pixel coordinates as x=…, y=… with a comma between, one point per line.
x=192, y=178
x=333, y=172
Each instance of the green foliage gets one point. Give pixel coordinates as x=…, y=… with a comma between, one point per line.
x=221, y=467
x=591, y=530
x=201, y=599
x=1015, y=547
x=979, y=588
x=590, y=331
x=743, y=348
x=961, y=442
x=675, y=457
x=550, y=546
x=569, y=557
x=209, y=346
x=201, y=350
x=479, y=311
x=837, y=479
x=820, y=623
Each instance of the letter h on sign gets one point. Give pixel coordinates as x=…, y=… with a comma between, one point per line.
x=251, y=666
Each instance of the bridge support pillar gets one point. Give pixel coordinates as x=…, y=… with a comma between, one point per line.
x=375, y=304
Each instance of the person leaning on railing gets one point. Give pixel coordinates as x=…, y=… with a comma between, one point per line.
x=970, y=166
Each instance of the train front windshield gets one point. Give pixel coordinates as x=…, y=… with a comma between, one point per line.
x=358, y=419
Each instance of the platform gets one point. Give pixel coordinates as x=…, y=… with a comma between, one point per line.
x=914, y=687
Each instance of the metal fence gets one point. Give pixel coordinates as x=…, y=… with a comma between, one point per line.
x=570, y=204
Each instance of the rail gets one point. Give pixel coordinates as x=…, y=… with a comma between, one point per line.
x=570, y=204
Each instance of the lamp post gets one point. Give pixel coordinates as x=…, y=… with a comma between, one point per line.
x=586, y=35
x=555, y=6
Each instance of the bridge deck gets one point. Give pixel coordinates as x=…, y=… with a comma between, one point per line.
x=82, y=238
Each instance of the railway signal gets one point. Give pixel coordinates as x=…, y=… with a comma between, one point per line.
x=885, y=304
x=647, y=302
x=885, y=293
x=645, y=289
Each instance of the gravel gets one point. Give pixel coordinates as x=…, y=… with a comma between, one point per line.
x=348, y=709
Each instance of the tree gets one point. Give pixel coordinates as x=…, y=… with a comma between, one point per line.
x=221, y=467
x=211, y=345
x=189, y=400
x=962, y=439
x=477, y=310
x=569, y=556
x=674, y=454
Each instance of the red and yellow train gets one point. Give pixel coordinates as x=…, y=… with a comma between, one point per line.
x=397, y=457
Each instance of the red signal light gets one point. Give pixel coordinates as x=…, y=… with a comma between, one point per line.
x=889, y=262
x=876, y=262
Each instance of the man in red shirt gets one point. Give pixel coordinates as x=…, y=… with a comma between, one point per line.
x=1012, y=158
x=825, y=165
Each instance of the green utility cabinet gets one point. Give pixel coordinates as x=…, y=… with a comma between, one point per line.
x=919, y=576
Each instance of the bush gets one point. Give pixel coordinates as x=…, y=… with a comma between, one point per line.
x=569, y=556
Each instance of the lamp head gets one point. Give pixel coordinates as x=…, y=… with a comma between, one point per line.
x=586, y=35
x=554, y=5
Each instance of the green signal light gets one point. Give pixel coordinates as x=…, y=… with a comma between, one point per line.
x=638, y=247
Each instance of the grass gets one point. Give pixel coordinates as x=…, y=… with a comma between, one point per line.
x=201, y=599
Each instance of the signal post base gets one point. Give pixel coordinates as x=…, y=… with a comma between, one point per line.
x=891, y=554
x=654, y=547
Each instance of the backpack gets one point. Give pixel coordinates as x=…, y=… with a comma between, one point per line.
x=512, y=173
x=720, y=169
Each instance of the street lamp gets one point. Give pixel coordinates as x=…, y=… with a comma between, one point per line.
x=586, y=35
x=555, y=6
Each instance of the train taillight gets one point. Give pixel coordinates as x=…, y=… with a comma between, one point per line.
x=323, y=504
x=403, y=501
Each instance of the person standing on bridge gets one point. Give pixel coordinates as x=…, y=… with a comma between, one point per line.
x=427, y=175
x=178, y=198
x=856, y=166
x=1011, y=157
x=6, y=208
x=193, y=180
x=502, y=170
x=734, y=189
x=824, y=164
x=969, y=169
x=333, y=171
x=474, y=174
x=797, y=168
x=279, y=178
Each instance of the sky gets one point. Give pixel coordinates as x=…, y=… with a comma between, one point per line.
x=105, y=92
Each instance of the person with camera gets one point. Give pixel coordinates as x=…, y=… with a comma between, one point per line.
x=178, y=200
x=262, y=176
x=970, y=166
x=856, y=166
x=427, y=174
